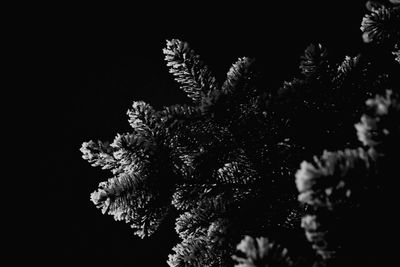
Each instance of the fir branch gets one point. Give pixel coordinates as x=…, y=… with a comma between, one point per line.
x=206, y=244
x=318, y=235
x=260, y=252
x=99, y=154
x=293, y=218
x=396, y=53
x=172, y=117
x=344, y=188
x=352, y=84
x=373, y=5
x=141, y=117
x=193, y=75
x=334, y=179
x=350, y=73
x=239, y=171
x=194, y=251
x=382, y=26
x=348, y=65
x=216, y=198
x=290, y=98
x=129, y=200
x=132, y=151
x=182, y=256
x=218, y=232
x=138, y=145
x=314, y=60
x=237, y=86
x=184, y=194
x=238, y=75
x=193, y=223
x=237, y=94
x=225, y=163
x=380, y=128
x=199, y=147
x=138, y=193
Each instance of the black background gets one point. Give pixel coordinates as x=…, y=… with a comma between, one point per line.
x=96, y=60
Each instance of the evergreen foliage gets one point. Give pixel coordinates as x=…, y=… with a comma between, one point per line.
x=261, y=252
x=239, y=160
x=381, y=25
x=195, y=78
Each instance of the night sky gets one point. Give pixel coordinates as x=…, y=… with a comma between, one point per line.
x=99, y=60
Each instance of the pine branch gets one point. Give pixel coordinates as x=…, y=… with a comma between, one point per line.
x=195, y=77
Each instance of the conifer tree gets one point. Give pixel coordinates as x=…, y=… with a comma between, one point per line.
x=228, y=163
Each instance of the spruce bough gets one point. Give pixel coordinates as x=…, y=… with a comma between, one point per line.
x=293, y=176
